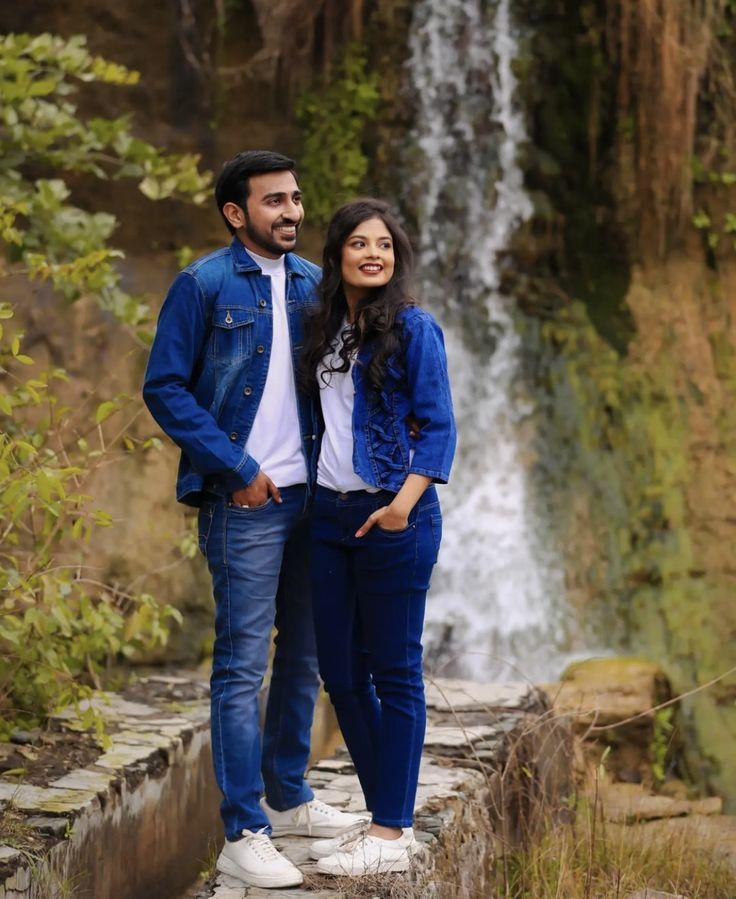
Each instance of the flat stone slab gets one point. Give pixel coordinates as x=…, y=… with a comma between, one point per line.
x=112, y=706
x=467, y=696
x=51, y=800
x=88, y=779
x=7, y=853
x=333, y=765
x=629, y=803
x=438, y=737
x=230, y=888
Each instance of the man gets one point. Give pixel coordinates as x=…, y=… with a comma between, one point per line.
x=220, y=382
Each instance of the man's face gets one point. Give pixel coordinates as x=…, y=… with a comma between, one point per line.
x=273, y=215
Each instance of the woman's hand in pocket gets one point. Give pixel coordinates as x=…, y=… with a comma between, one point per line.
x=387, y=518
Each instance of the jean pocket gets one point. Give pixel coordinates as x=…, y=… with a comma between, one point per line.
x=435, y=520
x=249, y=510
x=204, y=526
x=389, y=533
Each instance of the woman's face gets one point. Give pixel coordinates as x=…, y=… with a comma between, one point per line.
x=368, y=256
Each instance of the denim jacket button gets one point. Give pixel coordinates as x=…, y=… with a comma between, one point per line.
x=260, y=349
x=234, y=435
x=247, y=391
x=261, y=302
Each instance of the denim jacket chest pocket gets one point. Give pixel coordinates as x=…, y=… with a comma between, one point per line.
x=231, y=338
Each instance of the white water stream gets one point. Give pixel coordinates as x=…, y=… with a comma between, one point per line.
x=491, y=608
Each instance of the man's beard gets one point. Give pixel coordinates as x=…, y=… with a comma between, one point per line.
x=265, y=240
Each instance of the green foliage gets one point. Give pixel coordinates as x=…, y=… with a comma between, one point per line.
x=616, y=451
x=41, y=132
x=662, y=742
x=59, y=625
x=717, y=224
x=333, y=161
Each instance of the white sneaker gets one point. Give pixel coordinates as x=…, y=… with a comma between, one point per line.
x=310, y=819
x=256, y=861
x=323, y=848
x=371, y=855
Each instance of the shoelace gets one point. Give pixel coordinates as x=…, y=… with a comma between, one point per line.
x=358, y=844
x=348, y=838
x=260, y=843
x=317, y=805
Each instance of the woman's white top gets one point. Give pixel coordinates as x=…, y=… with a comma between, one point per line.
x=337, y=395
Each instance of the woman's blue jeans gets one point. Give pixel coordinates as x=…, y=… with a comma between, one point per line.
x=368, y=595
x=259, y=561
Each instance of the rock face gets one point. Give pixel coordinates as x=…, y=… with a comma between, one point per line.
x=610, y=704
x=637, y=306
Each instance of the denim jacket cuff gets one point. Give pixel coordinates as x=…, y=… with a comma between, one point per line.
x=441, y=477
x=236, y=480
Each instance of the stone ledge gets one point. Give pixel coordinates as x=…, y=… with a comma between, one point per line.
x=134, y=823
x=138, y=822
x=481, y=739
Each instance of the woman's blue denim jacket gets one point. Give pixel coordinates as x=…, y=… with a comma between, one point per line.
x=209, y=362
x=416, y=385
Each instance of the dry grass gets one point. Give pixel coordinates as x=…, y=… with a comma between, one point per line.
x=591, y=861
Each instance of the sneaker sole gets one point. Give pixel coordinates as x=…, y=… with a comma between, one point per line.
x=320, y=832
x=396, y=868
x=268, y=881
x=316, y=854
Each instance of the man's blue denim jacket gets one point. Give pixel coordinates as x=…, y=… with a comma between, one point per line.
x=209, y=362
x=417, y=385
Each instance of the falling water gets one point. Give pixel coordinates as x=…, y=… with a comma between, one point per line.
x=490, y=612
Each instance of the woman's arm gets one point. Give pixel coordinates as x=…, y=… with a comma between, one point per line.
x=395, y=516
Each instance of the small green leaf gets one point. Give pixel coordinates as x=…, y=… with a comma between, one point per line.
x=104, y=411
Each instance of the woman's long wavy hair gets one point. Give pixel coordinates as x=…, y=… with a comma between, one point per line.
x=375, y=322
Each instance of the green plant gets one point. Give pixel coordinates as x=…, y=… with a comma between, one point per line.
x=42, y=139
x=661, y=742
x=333, y=161
x=59, y=625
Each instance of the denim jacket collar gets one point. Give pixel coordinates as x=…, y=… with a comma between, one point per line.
x=244, y=262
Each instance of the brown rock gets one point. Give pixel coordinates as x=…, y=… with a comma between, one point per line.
x=630, y=803
x=610, y=703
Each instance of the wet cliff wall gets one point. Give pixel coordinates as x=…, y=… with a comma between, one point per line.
x=631, y=342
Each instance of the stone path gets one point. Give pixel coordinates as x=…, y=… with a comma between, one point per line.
x=473, y=732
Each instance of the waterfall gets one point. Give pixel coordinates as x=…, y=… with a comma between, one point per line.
x=490, y=611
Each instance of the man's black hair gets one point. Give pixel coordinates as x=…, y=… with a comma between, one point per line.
x=233, y=182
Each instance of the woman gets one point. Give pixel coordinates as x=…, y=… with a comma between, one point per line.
x=377, y=362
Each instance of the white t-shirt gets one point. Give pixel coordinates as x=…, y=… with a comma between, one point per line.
x=275, y=438
x=337, y=395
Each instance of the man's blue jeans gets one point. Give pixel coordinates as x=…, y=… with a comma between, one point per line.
x=259, y=563
x=369, y=597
